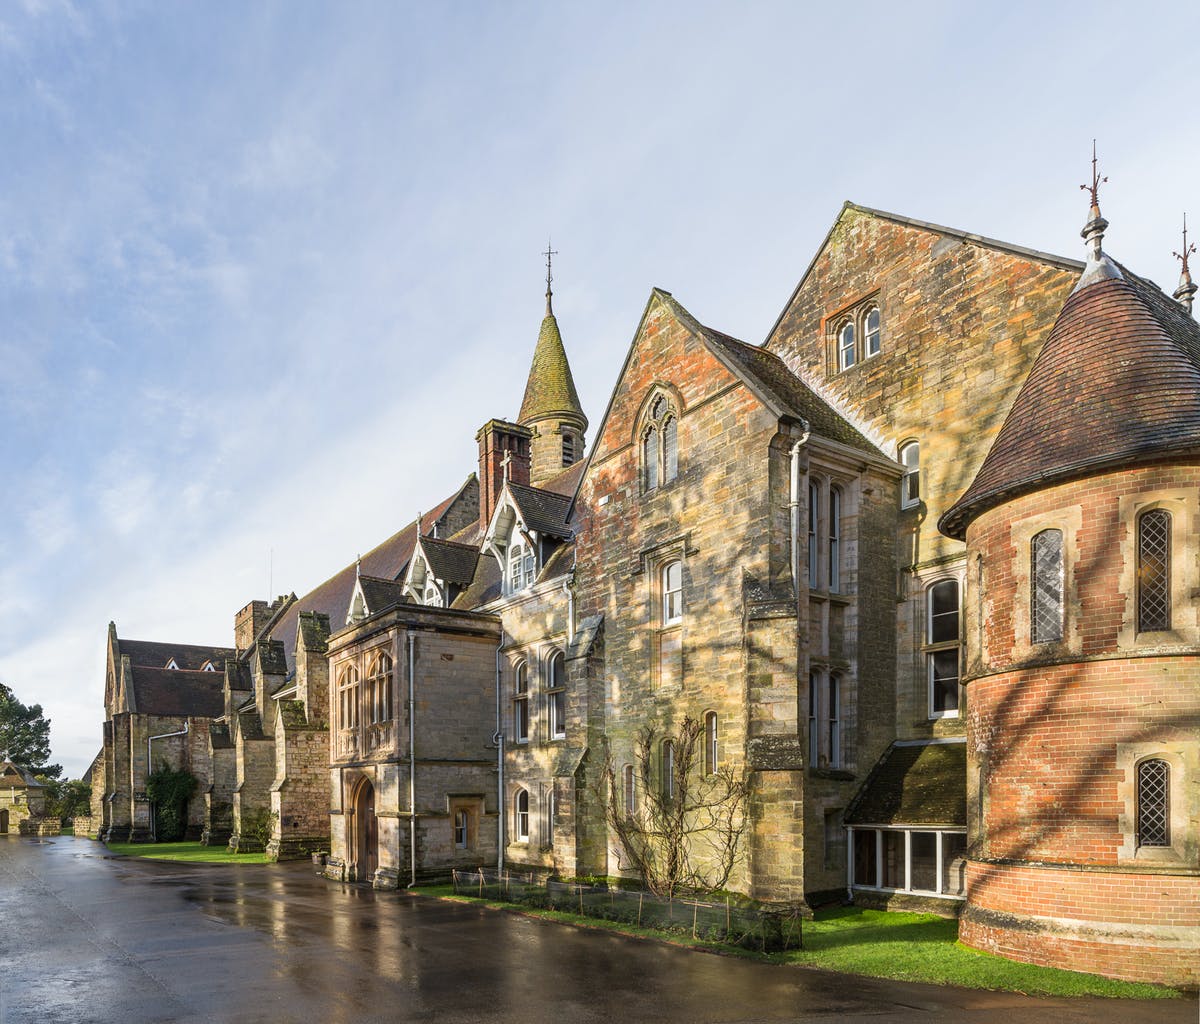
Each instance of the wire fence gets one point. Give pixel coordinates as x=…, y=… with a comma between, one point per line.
x=751, y=926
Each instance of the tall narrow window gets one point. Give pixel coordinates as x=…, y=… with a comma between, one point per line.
x=630, y=780
x=348, y=698
x=668, y=770
x=650, y=459
x=871, y=333
x=460, y=829
x=942, y=648
x=521, y=816
x=834, y=721
x=670, y=433
x=556, y=685
x=1046, y=599
x=672, y=593
x=551, y=813
x=516, y=561
x=846, y=347
x=379, y=690
x=1154, y=803
x=1154, y=571
x=521, y=704
x=711, y=752
x=814, y=736
x=910, y=485
x=570, y=451
x=835, y=540
x=813, y=551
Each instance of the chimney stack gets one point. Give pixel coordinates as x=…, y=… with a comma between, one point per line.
x=499, y=439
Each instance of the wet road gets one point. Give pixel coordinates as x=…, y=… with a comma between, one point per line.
x=85, y=937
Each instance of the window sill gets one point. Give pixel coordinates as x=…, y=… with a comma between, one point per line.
x=840, y=774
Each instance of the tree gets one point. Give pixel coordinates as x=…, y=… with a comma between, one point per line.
x=66, y=799
x=25, y=735
x=684, y=831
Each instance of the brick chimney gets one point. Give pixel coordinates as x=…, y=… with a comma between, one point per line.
x=498, y=438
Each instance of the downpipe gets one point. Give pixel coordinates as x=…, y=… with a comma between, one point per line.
x=150, y=768
x=498, y=743
x=412, y=762
x=794, y=506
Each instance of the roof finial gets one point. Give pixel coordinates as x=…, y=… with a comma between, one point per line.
x=1187, y=287
x=1093, y=230
x=358, y=567
x=549, y=277
x=504, y=462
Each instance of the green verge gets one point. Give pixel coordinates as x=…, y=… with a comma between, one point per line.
x=879, y=944
x=190, y=853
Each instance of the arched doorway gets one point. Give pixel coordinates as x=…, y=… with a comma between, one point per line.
x=4, y=822
x=366, y=832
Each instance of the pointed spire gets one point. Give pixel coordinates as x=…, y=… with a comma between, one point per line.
x=1099, y=267
x=550, y=389
x=1186, y=291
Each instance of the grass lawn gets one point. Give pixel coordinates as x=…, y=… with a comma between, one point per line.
x=879, y=944
x=192, y=853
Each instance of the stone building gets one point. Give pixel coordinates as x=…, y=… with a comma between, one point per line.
x=23, y=804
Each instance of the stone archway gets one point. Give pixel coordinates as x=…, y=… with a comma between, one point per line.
x=366, y=832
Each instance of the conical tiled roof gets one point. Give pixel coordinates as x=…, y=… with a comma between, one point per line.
x=1117, y=383
x=550, y=390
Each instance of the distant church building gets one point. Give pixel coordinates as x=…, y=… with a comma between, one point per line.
x=921, y=568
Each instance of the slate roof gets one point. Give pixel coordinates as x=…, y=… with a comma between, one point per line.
x=450, y=561
x=922, y=784
x=187, y=656
x=379, y=594
x=550, y=390
x=1117, y=383
x=13, y=776
x=166, y=691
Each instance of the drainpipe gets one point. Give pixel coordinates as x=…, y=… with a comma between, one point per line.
x=150, y=765
x=569, y=590
x=794, y=506
x=412, y=763
x=498, y=743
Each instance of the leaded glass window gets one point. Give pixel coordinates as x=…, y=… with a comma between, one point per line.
x=1046, y=612
x=1154, y=803
x=650, y=459
x=670, y=450
x=1154, y=571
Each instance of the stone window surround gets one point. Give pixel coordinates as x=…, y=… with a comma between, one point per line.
x=929, y=649
x=537, y=658
x=855, y=315
x=556, y=728
x=823, y=718
x=1183, y=758
x=712, y=742
x=1184, y=506
x=469, y=804
x=649, y=424
x=825, y=480
x=520, y=700
x=907, y=444
x=1069, y=521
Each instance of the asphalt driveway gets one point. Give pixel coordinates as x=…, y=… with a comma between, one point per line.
x=88, y=937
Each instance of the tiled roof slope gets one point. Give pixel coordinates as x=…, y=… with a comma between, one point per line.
x=332, y=598
x=1116, y=383
x=449, y=561
x=379, y=594
x=550, y=390
x=187, y=656
x=13, y=776
x=542, y=510
x=923, y=784
x=164, y=691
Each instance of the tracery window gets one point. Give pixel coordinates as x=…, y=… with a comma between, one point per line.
x=521, y=703
x=910, y=485
x=521, y=816
x=1046, y=584
x=711, y=740
x=943, y=651
x=1154, y=570
x=1153, y=803
x=379, y=690
x=348, y=698
x=660, y=445
x=556, y=691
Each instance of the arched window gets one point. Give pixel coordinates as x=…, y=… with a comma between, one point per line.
x=711, y=749
x=630, y=784
x=521, y=703
x=660, y=445
x=1154, y=803
x=521, y=566
x=650, y=459
x=431, y=597
x=871, y=332
x=556, y=691
x=379, y=690
x=672, y=592
x=1154, y=570
x=942, y=644
x=348, y=698
x=670, y=432
x=1046, y=584
x=910, y=486
x=667, y=777
x=846, y=347
x=835, y=540
x=521, y=816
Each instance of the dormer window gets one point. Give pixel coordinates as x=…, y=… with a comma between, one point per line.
x=208, y=666
x=660, y=445
x=432, y=597
x=521, y=566
x=172, y=664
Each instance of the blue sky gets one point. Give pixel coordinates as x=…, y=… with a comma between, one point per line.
x=266, y=267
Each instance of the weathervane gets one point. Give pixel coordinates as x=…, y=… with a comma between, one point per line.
x=1187, y=249
x=1097, y=181
x=549, y=276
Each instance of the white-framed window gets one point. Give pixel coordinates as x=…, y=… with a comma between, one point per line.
x=671, y=580
x=847, y=346
x=208, y=666
x=1154, y=571
x=521, y=816
x=431, y=597
x=835, y=540
x=872, y=333
x=379, y=689
x=910, y=484
x=461, y=829
x=172, y=664
x=1153, y=803
x=348, y=698
x=556, y=694
x=522, y=566
x=1046, y=587
x=521, y=702
x=931, y=862
x=660, y=445
x=667, y=770
x=943, y=647
x=712, y=749
x=629, y=780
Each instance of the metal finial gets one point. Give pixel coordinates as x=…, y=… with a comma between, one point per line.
x=1097, y=181
x=1187, y=249
x=549, y=276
